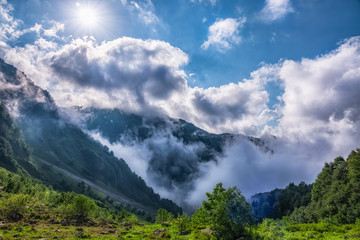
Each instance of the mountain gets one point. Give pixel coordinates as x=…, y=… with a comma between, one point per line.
x=57, y=142
x=176, y=149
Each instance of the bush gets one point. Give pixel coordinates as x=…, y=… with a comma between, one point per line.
x=182, y=224
x=163, y=216
x=81, y=207
x=15, y=207
x=132, y=219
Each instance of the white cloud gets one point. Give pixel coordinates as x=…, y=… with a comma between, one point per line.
x=5, y=11
x=212, y=2
x=11, y=29
x=276, y=9
x=8, y=23
x=145, y=69
x=145, y=11
x=224, y=34
x=52, y=31
x=321, y=97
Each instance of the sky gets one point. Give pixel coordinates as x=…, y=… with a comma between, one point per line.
x=287, y=71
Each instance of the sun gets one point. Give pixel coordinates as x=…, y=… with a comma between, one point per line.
x=87, y=16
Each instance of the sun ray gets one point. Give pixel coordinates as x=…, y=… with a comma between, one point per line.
x=87, y=17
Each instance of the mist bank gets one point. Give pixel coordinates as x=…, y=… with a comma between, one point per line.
x=173, y=162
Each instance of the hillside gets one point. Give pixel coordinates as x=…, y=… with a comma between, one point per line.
x=55, y=140
x=15, y=155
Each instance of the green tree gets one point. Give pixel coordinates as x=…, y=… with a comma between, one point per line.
x=163, y=216
x=228, y=212
x=354, y=185
x=335, y=196
x=200, y=218
x=132, y=219
x=182, y=224
x=81, y=207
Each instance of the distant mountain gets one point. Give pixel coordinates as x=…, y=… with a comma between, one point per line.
x=176, y=148
x=57, y=141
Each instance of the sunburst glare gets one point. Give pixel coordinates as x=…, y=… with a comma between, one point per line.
x=88, y=17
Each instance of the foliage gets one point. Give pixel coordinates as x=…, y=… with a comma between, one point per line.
x=15, y=207
x=201, y=218
x=335, y=197
x=271, y=229
x=14, y=153
x=182, y=224
x=163, y=216
x=228, y=212
x=21, y=189
x=281, y=202
x=81, y=207
x=65, y=145
x=132, y=219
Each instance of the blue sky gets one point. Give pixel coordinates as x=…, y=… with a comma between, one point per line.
x=303, y=29
x=264, y=68
x=203, y=49
x=307, y=29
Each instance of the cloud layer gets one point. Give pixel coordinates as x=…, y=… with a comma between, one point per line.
x=141, y=67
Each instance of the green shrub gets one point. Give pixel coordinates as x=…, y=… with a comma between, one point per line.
x=81, y=207
x=15, y=207
x=163, y=216
x=132, y=219
x=182, y=224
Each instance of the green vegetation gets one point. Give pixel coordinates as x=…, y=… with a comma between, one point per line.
x=327, y=209
x=335, y=196
x=281, y=202
x=227, y=212
x=14, y=153
x=333, y=211
x=163, y=216
x=30, y=209
x=271, y=229
x=68, y=147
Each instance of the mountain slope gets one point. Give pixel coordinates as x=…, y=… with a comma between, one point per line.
x=14, y=153
x=57, y=141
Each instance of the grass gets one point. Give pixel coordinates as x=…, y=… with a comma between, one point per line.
x=111, y=230
x=46, y=230
x=276, y=229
